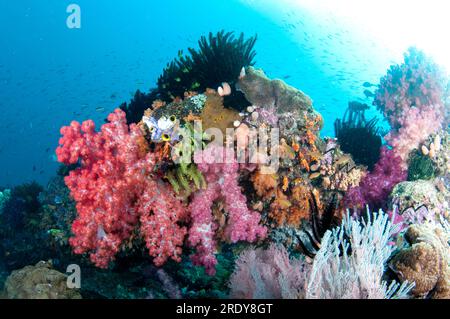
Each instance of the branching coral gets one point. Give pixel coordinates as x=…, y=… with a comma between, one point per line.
x=115, y=192
x=220, y=169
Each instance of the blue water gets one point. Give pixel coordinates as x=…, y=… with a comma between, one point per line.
x=50, y=74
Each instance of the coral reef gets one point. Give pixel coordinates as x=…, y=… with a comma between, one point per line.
x=425, y=261
x=39, y=282
x=162, y=208
x=219, y=59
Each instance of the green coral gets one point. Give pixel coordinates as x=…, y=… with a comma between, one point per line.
x=196, y=283
x=182, y=177
x=420, y=167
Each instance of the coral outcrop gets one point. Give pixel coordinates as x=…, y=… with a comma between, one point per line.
x=425, y=261
x=39, y=282
x=407, y=195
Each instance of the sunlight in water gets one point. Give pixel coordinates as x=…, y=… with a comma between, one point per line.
x=395, y=25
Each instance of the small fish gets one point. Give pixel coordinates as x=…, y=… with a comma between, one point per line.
x=343, y=160
x=196, y=85
x=99, y=109
x=368, y=85
x=55, y=232
x=369, y=94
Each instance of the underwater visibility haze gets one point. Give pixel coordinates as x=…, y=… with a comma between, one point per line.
x=244, y=149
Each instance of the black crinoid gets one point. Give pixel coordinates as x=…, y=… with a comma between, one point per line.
x=359, y=137
x=320, y=222
x=134, y=110
x=219, y=58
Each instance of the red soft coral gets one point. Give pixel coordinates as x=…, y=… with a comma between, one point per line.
x=115, y=191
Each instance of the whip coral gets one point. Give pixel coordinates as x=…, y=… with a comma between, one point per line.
x=221, y=173
x=116, y=192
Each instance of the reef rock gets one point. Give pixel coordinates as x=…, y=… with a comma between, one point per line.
x=425, y=261
x=418, y=193
x=292, y=106
x=262, y=91
x=38, y=282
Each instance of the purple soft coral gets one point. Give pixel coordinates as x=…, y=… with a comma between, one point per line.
x=376, y=186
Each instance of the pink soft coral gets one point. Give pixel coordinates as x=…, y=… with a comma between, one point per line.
x=412, y=97
x=418, y=83
x=116, y=192
x=416, y=126
x=221, y=172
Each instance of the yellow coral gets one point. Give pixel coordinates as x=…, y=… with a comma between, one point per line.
x=215, y=115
